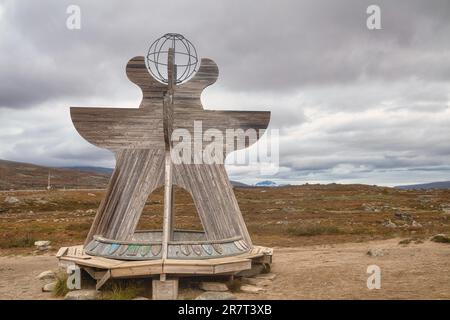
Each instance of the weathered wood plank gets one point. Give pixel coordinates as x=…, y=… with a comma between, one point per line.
x=103, y=280
x=137, y=271
x=141, y=141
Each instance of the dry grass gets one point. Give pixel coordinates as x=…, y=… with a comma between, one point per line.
x=309, y=231
x=126, y=290
x=234, y=285
x=285, y=216
x=18, y=242
x=60, y=289
x=441, y=239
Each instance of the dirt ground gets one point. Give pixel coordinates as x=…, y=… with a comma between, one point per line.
x=413, y=271
x=18, y=276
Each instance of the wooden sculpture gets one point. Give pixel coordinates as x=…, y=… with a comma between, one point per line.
x=141, y=142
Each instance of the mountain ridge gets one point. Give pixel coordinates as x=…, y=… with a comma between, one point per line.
x=23, y=176
x=429, y=185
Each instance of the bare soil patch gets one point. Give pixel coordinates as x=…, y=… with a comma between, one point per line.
x=413, y=271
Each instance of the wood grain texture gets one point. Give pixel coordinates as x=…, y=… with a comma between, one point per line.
x=138, y=172
x=127, y=269
x=214, y=199
x=167, y=232
x=138, y=138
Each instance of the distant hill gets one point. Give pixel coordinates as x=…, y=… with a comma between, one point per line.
x=431, y=185
x=22, y=176
x=108, y=171
x=266, y=183
x=239, y=184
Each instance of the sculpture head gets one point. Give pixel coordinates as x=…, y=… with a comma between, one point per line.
x=186, y=59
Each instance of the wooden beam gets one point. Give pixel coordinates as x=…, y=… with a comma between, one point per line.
x=168, y=178
x=140, y=138
x=103, y=280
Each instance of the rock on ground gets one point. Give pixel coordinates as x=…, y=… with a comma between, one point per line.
x=82, y=295
x=259, y=282
x=48, y=275
x=375, y=252
x=370, y=208
x=42, y=245
x=442, y=238
x=213, y=286
x=214, y=295
x=49, y=287
x=268, y=276
x=11, y=200
x=403, y=216
x=389, y=224
x=415, y=224
x=251, y=289
x=140, y=298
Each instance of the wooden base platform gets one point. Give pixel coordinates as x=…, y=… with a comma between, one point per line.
x=103, y=269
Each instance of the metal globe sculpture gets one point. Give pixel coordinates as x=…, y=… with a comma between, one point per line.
x=186, y=59
x=141, y=140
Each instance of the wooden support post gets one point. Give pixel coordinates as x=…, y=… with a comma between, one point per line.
x=165, y=290
x=168, y=191
x=168, y=180
x=103, y=280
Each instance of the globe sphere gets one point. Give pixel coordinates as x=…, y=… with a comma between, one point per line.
x=186, y=60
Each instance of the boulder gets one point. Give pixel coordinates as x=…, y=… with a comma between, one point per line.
x=214, y=295
x=213, y=286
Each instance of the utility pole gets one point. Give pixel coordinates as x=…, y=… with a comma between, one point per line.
x=49, y=186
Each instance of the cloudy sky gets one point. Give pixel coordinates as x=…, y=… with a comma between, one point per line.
x=353, y=105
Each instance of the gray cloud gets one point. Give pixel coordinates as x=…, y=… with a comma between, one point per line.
x=352, y=104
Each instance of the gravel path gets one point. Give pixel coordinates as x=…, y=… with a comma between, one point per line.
x=414, y=271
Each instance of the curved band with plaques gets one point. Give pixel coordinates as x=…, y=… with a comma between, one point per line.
x=147, y=245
